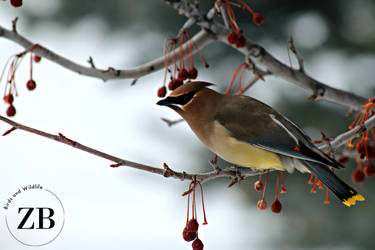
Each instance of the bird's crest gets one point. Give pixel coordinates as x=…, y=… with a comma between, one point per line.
x=190, y=87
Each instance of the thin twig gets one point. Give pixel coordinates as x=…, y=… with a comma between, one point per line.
x=201, y=39
x=171, y=123
x=229, y=172
x=232, y=172
x=296, y=54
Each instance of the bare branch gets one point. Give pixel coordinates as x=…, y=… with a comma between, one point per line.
x=235, y=173
x=229, y=172
x=200, y=40
x=259, y=55
x=171, y=123
x=297, y=55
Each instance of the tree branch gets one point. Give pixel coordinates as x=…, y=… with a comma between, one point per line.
x=235, y=173
x=229, y=172
x=259, y=55
x=201, y=39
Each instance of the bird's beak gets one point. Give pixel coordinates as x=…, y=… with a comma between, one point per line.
x=164, y=102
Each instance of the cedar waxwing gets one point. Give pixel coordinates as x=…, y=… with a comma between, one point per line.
x=249, y=133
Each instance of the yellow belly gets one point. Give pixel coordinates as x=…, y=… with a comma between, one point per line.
x=241, y=153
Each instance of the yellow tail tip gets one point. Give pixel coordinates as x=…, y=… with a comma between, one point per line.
x=352, y=200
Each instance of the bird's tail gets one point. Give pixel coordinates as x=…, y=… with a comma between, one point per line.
x=346, y=194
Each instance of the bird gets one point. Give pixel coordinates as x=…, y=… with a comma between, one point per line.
x=248, y=133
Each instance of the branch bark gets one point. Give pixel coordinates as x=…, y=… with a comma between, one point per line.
x=261, y=56
x=235, y=173
x=201, y=39
x=211, y=30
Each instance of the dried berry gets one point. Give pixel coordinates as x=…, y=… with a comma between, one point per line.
x=182, y=74
x=197, y=244
x=241, y=42
x=232, y=37
x=174, y=84
x=37, y=58
x=188, y=236
x=258, y=19
x=276, y=206
x=16, y=3
x=162, y=91
x=30, y=84
x=369, y=170
x=192, y=73
x=8, y=99
x=192, y=225
x=358, y=176
x=258, y=186
x=262, y=204
x=11, y=110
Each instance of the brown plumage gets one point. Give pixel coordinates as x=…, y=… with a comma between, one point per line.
x=249, y=133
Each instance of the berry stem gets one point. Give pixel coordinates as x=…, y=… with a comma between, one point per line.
x=31, y=66
x=238, y=69
x=327, y=197
x=182, y=66
x=265, y=185
x=277, y=185
x=204, y=210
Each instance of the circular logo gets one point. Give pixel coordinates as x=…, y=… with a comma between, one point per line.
x=35, y=215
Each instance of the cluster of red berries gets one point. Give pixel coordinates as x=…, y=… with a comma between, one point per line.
x=237, y=39
x=235, y=36
x=16, y=3
x=364, y=148
x=276, y=204
x=10, y=88
x=179, y=74
x=190, y=233
x=11, y=110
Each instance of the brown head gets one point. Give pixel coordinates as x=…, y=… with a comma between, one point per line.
x=191, y=100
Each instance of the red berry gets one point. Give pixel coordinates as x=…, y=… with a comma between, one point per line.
x=192, y=225
x=358, y=176
x=258, y=186
x=197, y=244
x=30, y=84
x=258, y=19
x=171, y=84
x=162, y=91
x=192, y=73
x=188, y=236
x=37, y=58
x=232, y=37
x=11, y=110
x=8, y=99
x=182, y=74
x=16, y=3
x=262, y=204
x=174, y=84
x=276, y=206
x=369, y=170
x=241, y=42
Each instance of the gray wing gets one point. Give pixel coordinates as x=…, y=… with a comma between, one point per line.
x=273, y=131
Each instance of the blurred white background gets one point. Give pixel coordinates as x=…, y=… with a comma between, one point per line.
x=124, y=208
